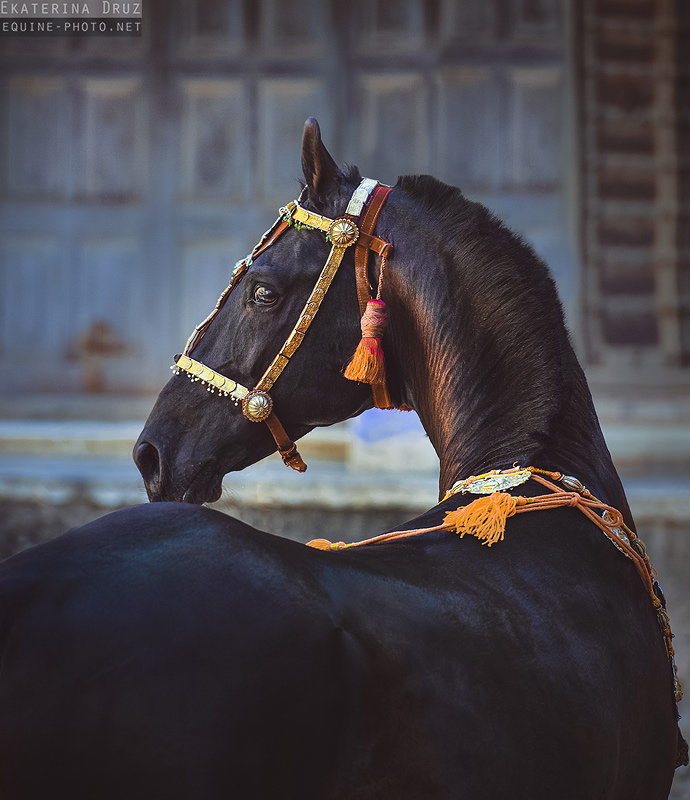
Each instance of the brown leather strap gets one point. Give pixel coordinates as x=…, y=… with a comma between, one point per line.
x=379, y=246
x=286, y=447
x=364, y=244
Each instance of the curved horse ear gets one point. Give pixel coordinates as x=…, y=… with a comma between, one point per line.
x=320, y=170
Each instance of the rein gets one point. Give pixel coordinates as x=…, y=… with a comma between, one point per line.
x=355, y=227
x=485, y=518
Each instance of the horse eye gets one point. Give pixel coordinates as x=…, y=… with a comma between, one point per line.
x=264, y=296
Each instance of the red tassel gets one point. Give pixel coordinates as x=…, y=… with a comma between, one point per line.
x=368, y=365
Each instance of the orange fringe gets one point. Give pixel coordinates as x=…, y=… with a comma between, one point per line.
x=367, y=364
x=484, y=518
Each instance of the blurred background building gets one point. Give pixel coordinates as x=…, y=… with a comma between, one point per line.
x=135, y=171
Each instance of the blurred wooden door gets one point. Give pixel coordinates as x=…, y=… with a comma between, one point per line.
x=137, y=171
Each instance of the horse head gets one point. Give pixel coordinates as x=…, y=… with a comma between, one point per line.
x=194, y=435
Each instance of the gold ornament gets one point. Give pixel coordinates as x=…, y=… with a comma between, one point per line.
x=343, y=232
x=257, y=406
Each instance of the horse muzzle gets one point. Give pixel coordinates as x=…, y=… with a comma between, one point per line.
x=204, y=485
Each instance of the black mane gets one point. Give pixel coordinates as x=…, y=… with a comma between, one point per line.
x=500, y=257
x=498, y=346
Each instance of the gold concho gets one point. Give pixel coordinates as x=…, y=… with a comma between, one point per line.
x=257, y=406
x=343, y=232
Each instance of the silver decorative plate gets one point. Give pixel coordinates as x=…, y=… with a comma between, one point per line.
x=490, y=482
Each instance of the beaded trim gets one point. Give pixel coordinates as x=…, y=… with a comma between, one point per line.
x=215, y=382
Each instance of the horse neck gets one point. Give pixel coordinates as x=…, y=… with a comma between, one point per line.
x=487, y=364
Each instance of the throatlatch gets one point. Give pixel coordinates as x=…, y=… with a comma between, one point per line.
x=367, y=365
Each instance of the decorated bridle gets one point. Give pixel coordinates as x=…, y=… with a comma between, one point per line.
x=355, y=227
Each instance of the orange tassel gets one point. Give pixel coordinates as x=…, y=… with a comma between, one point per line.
x=368, y=363
x=484, y=518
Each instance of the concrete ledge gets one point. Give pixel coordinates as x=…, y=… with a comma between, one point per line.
x=68, y=437
x=637, y=448
x=116, y=439
x=113, y=482
x=90, y=461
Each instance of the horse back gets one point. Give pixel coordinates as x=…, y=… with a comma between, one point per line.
x=170, y=651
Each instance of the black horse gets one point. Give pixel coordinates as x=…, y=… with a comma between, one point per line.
x=170, y=651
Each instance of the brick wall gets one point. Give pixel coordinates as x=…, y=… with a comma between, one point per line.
x=627, y=51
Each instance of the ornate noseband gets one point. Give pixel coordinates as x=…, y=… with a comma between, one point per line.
x=355, y=227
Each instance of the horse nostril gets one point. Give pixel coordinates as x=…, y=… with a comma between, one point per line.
x=147, y=460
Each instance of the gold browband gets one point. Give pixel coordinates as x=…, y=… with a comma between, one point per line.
x=296, y=213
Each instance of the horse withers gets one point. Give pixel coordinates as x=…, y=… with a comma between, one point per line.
x=168, y=650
